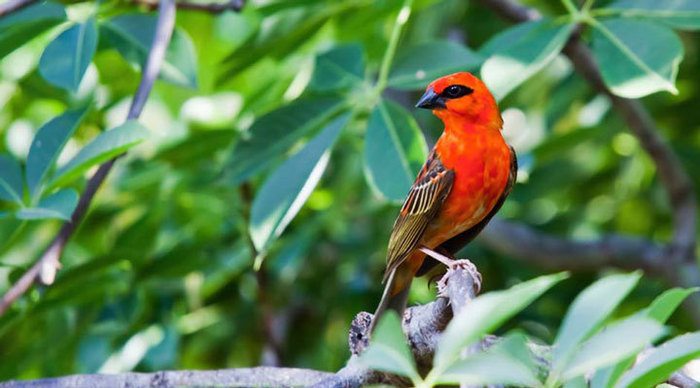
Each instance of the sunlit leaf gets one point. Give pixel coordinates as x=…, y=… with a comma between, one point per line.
x=388, y=350
x=418, y=65
x=19, y=27
x=67, y=57
x=274, y=133
x=681, y=14
x=587, y=313
x=47, y=145
x=506, y=363
x=660, y=310
x=486, y=313
x=59, y=205
x=132, y=36
x=107, y=145
x=637, y=58
x=394, y=151
x=11, y=185
x=284, y=192
x=338, y=68
x=662, y=362
x=616, y=342
x=521, y=51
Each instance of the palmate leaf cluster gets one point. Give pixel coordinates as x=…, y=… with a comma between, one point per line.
x=265, y=173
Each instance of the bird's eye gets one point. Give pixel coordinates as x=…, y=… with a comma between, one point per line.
x=456, y=91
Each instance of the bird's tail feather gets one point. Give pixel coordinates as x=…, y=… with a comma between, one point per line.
x=395, y=302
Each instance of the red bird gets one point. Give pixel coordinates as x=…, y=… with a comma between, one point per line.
x=468, y=175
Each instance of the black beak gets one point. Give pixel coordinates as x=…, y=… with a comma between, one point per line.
x=431, y=100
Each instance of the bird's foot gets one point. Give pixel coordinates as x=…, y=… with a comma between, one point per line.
x=452, y=265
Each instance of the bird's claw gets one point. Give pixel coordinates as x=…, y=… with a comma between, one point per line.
x=460, y=265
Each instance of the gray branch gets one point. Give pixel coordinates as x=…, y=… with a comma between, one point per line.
x=421, y=324
x=45, y=268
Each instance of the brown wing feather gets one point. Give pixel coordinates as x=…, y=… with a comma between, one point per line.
x=458, y=242
x=422, y=204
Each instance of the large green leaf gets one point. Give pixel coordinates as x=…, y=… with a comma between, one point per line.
x=487, y=313
x=662, y=362
x=681, y=14
x=615, y=343
x=284, y=192
x=47, y=145
x=59, y=205
x=338, y=68
x=274, y=133
x=660, y=310
x=104, y=147
x=420, y=64
x=521, y=51
x=10, y=179
x=395, y=150
x=67, y=57
x=587, y=313
x=506, y=363
x=388, y=350
x=132, y=36
x=637, y=58
x=19, y=27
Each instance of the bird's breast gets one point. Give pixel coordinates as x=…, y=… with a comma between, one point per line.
x=481, y=166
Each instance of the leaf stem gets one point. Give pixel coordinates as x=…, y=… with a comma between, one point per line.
x=570, y=7
x=401, y=19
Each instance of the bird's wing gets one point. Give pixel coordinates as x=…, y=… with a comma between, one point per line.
x=421, y=206
x=455, y=244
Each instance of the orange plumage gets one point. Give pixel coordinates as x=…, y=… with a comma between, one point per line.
x=467, y=176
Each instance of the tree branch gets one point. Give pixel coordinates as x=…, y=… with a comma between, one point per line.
x=676, y=261
x=45, y=268
x=421, y=324
x=14, y=5
x=230, y=5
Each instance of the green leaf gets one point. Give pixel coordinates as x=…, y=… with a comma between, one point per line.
x=506, y=363
x=662, y=362
x=274, y=133
x=339, y=68
x=394, y=151
x=660, y=310
x=521, y=51
x=487, y=313
x=132, y=35
x=67, y=57
x=681, y=14
x=388, y=350
x=587, y=313
x=665, y=304
x=19, y=27
x=104, y=147
x=59, y=205
x=47, y=145
x=11, y=186
x=615, y=343
x=284, y=192
x=637, y=58
x=418, y=65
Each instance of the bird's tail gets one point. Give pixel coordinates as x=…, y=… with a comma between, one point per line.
x=396, y=302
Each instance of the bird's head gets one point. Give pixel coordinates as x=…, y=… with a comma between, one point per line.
x=461, y=96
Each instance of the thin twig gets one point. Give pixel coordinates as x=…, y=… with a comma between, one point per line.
x=231, y=5
x=14, y=5
x=48, y=263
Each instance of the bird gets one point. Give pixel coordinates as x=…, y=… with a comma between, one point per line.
x=467, y=176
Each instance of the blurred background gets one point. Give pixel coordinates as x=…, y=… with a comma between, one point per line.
x=164, y=273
